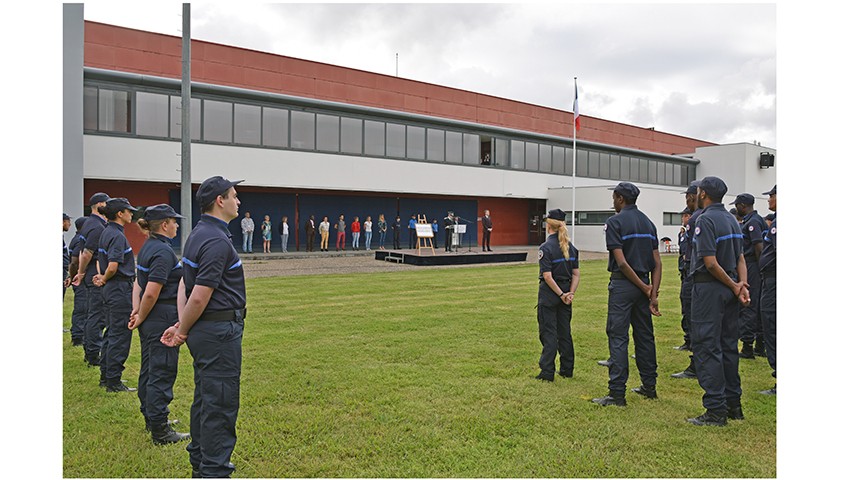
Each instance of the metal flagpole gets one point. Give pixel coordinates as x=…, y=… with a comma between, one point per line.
x=186, y=191
x=574, y=176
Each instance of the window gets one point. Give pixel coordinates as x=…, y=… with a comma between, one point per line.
x=501, y=152
x=604, y=165
x=276, y=124
x=593, y=218
x=216, y=117
x=569, y=160
x=374, y=141
x=453, y=147
x=624, y=168
x=677, y=174
x=517, y=157
x=558, y=159
x=593, y=165
x=89, y=108
x=195, y=117
x=582, y=163
x=471, y=149
x=327, y=133
x=683, y=178
x=614, y=167
x=152, y=114
x=634, y=169
x=672, y=218
x=435, y=144
x=660, y=170
x=644, y=170
x=302, y=130
x=114, y=111
x=654, y=172
x=396, y=140
x=247, y=124
x=415, y=142
x=545, y=159
x=532, y=156
x=351, y=135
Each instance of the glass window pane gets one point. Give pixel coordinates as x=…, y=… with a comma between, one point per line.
x=558, y=160
x=660, y=172
x=153, y=109
x=415, y=142
x=302, y=130
x=545, y=159
x=374, y=138
x=634, y=169
x=435, y=144
x=677, y=174
x=195, y=116
x=89, y=108
x=654, y=169
x=604, y=165
x=644, y=170
x=453, y=147
x=683, y=179
x=614, y=167
x=501, y=152
x=395, y=140
x=594, y=164
x=624, y=162
x=532, y=157
x=247, y=124
x=115, y=111
x=471, y=149
x=517, y=154
x=582, y=163
x=327, y=133
x=276, y=122
x=569, y=161
x=216, y=117
x=351, y=135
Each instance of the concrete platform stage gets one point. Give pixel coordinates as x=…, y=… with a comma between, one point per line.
x=412, y=257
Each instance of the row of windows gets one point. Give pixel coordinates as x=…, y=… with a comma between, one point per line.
x=151, y=114
x=600, y=217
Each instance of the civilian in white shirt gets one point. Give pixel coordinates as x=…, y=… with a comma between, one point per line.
x=284, y=229
x=248, y=227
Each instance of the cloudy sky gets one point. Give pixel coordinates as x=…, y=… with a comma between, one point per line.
x=704, y=71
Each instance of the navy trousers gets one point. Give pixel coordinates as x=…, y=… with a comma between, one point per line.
x=94, y=323
x=118, y=338
x=216, y=348
x=750, y=317
x=159, y=365
x=555, y=332
x=685, y=301
x=629, y=306
x=714, y=332
x=768, y=317
x=80, y=312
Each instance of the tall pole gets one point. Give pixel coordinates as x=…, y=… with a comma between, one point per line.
x=396, y=64
x=574, y=177
x=186, y=191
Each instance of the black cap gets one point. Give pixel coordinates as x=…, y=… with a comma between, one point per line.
x=770, y=216
x=714, y=186
x=686, y=211
x=160, y=212
x=626, y=190
x=733, y=211
x=692, y=188
x=212, y=187
x=98, y=197
x=79, y=222
x=744, y=199
x=556, y=214
x=65, y=216
x=119, y=204
x=771, y=192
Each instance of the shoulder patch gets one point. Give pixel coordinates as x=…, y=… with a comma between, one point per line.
x=697, y=231
x=751, y=228
x=773, y=231
x=541, y=254
x=605, y=227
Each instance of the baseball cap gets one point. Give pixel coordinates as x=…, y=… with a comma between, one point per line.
x=714, y=186
x=771, y=192
x=98, y=197
x=744, y=199
x=212, y=187
x=556, y=214
x=160, y=212
x=626, y=190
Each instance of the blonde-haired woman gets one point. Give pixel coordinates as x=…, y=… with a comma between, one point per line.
x=559, y=277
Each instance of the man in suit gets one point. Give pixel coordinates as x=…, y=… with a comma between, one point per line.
x=487, y=230
x=449, y=230
x=310, y=231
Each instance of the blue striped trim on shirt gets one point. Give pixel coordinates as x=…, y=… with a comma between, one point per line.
x=239, y=262
x=189, y=262
x=142, y=268
x=639, y=235
x=727, y=237
x=560, y=260
x=127, y=250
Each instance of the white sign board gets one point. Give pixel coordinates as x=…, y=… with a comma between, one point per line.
x=460, y=228
x=424, y=230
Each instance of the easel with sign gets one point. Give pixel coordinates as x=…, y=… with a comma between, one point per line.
x=424, y=235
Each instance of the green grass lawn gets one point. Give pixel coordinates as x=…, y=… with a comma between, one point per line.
x=428, y=373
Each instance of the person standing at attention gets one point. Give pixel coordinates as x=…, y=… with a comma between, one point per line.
x=247, y=225
x=367, y=228
x=487, y=231
x=325, y=231
x=266, y=231
x=355, y=234
x=381, y=231
x=284, y=230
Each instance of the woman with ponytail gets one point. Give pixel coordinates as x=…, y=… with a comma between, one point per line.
x=153, y=311
x=559, y=277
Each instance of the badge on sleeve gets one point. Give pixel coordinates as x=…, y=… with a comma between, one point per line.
x=697, y=231
x=773, y=231
x=541, y=254
x=605, y=227
x=751, y=228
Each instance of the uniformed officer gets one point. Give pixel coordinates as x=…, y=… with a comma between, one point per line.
x=720, y=288
x=116, y=261
x=633, y=295
x=752, y=228
x=559, y=277
x=685, y=292
x=396, y=233
x=215, y=291
x=80, y=299
x=767, y=267
x=89, y=244
x=683, y=270
x=153, y=311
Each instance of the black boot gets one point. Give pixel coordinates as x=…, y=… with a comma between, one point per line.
x=689, y=372
x=163, y=434
x=746, y=351
x=648, y=391
x=709, y=419
x=172, y=422
x=760, y=351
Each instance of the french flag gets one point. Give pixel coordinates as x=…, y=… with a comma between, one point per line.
x=576, y=107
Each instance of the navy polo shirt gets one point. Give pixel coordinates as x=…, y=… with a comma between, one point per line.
x=767, y=262
x=689, y=238
x=752, y=229
x=634, y=233
x=65, y=256
x=75, y=245
x=717, y=234
x=210, y=260
x=114, y=247
x=552, y=260
x=158, y=263
x=90, y=240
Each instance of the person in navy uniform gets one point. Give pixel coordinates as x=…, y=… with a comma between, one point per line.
x=720, y=288
x=767, y=268
x=80, y=299
x=683, y=269
x=212, y=310
x=636, y=270
x=752, y=229
x=686, y=290
x=153, y=311
x=559, y=277
x=396, y=233
x=95, y=308
x=116, y=264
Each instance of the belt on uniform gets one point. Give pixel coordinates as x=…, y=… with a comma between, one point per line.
x=621, y=276
x=223, y=315
x=166, y=301
x=704, y=277
x=122, y=278
x=557, y=280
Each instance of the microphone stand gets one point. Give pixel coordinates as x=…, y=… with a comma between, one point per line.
x=467, y=231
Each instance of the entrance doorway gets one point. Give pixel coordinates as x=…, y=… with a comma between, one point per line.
x=537, y=210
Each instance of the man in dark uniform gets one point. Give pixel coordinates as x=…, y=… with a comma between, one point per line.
x=214, y=291
x=449, y=230
x=685, y=292
x=683, y=271
x=116, y=262
x=752, y=228
x=487, y=230
x=310, y=231
x=634, y=255
x=720, y=288
x=89, y=244
x=396, y=233
x=767, y=267
x=559, y=277
x=80, y=299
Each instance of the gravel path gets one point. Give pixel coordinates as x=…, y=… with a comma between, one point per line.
x=318, y=263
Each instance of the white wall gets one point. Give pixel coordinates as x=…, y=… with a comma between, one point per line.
x=738, y=165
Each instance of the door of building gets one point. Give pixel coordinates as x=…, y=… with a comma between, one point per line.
x=537, y=210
